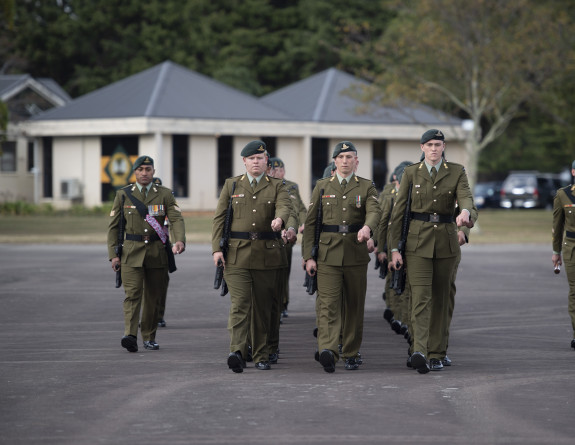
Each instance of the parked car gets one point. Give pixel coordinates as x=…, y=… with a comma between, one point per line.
x=530, y=189
x=487, y=194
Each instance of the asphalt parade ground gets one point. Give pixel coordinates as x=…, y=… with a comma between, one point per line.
x=65, y=379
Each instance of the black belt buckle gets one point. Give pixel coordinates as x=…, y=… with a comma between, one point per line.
x=146, y=238
x=254, y=236
x=343, y=228
x=434, y=218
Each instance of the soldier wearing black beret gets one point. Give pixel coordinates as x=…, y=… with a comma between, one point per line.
x=350, y=213
x=432, y=244
x=255, y=253
x=144, y=261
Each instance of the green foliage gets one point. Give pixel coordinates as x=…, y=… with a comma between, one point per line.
x=47, y=209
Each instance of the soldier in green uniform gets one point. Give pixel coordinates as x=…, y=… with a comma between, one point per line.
x=396, y=311
x=278, y=171
x=256, y=253
x=463, y=238
x=350, y=212
x=144, y=262
x=564, y=241
x=289, y=237
x=432, y=245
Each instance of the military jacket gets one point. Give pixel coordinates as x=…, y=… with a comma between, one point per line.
x=253, y=211
x=297, y=202
x=357, y=205
x=386, y=200
x=161, y=205
x=431, y=239
x=564, y=220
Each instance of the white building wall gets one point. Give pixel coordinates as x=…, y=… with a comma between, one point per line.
x=203, y=177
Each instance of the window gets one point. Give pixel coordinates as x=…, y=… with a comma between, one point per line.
x=8, y=157
x=180, y=164
x=225, y=161
x=30, y=156
x=379, y=173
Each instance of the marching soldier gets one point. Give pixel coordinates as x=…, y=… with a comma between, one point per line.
x=350, y=212
x=564, y=241
x=432, y=244
x=256, y=253
x=144, y=262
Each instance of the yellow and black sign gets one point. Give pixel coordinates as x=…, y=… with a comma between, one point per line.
x=117, y=169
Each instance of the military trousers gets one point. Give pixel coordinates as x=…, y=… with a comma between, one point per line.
x=252, y=295
x=276, y=309
x=341, y=303
x=134, y=280
x=430, y=282
x=570, y=271
x=451, y=302
x=287, y=270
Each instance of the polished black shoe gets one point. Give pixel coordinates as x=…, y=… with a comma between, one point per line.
x=285, y=314
x=315, y=332
x=404, y=329
x=435, y=364
x=408, y=364
x=249, y=358
x=316, y=355
x=573, y=343
x=351, y=364
x=162, y=323
x=327, y=360
x=340, y=348
x=446, y=361
x=273, y=358
x=235, y=362
x=130, y=343
x=264, y=366
x=152, y=345
x=388, y=315
x=419, y=362
x=396, y=326
x=358, y=359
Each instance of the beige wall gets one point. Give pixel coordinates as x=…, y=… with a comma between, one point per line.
x=203, y=177
x=18, y=185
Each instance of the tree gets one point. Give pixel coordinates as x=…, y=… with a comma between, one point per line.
x=483, y=60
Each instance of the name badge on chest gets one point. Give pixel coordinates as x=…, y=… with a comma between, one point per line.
x=157, y=210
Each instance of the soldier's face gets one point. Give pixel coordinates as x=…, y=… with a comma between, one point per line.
x=256, y=164
x=144, y=174
x=433, y=150
x=278, y=172
x=345, y=163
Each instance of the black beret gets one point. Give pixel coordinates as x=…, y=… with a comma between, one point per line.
x=143, y=160
x=253, y=148
x=432, y=134
x=398, y=172
x=343, y=147
x=328, y=170
x=276, y=163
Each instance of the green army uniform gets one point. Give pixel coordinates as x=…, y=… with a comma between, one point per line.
x=144, y=261
x=432, y=248
x=281, y=290
x=301, y=211
x=255, y=256
x=474, y=214
x=342, y=260
x=393, y=301
x=564, y=241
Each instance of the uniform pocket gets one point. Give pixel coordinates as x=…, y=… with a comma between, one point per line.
x=239, y=206
x=233, y=246
x=275, y=255
x=324, y=243
x=412, y=236
x=328, y=207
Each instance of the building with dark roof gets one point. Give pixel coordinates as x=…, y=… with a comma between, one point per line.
x=195, y=127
